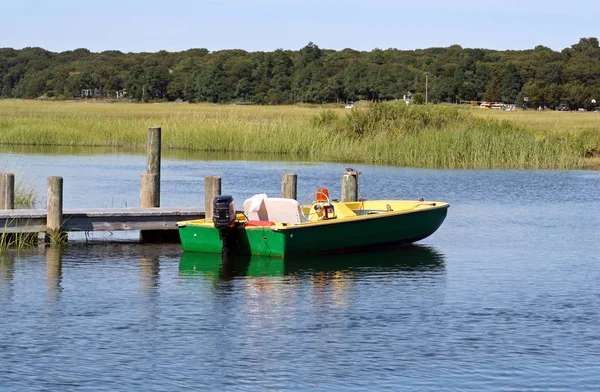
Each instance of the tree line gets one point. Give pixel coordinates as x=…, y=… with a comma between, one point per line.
x=536, y=77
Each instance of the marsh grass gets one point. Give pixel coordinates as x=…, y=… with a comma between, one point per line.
x=442, y=136
x=17, y=241
x=548, y=120
x=386, y=133
x=59, y=241
x=26, y=196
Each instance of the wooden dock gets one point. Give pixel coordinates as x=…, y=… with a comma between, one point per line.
x=155, y=224
x=98, y=219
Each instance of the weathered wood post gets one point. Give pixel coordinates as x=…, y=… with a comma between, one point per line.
x=152, y=192
x=54, y=207
x=149, y=198
x=212, y=188
x=7, y=191
x=350, y=185
x=289, y=187
x=150, y=182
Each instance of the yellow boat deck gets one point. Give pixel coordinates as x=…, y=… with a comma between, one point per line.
x=315, y=213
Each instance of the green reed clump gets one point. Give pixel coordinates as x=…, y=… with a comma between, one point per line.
x=325, y=118
x=444, y=137
x=26, y=196
x=391, y=118
x=586, y=141
x=17, y=241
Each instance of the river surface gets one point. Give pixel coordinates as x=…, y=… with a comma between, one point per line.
x=505, y=296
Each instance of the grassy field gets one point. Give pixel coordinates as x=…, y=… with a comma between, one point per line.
x=578, y=127
x=548, y=120
x=389, y=134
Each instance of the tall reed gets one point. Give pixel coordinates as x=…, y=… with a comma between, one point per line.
x=26, y=196
x=446, y=137
x=17, y=241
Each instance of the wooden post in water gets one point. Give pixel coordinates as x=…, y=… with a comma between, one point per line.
x=54, y=207
x=149, y=198
x=289, y=187
x=150, y=182
x=212, y=188
x=7, y=191
x=153, y=164
x=350, y=186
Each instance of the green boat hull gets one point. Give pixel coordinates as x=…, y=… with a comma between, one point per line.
x=326, y=237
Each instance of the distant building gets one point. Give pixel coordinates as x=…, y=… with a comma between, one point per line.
x=92, y=92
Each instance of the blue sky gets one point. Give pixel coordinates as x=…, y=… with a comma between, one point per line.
x=266, y=25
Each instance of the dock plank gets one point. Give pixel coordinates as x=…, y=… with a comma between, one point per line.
x=100, y=219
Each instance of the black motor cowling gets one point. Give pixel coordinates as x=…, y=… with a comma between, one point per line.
x=223, y=213
x=224, y=217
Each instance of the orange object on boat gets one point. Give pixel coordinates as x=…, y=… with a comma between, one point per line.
x=322, y=194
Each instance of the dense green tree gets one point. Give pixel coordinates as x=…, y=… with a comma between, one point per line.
x=443, y=89
x=586, y=44
x=311, y=74
x=156, y=81
x=282, y=70
x=243, y=89
x=464, y=77
x=135, y=84
x=511, y=83
x=211, y=84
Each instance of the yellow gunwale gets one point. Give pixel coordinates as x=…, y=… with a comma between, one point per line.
x=418, y=206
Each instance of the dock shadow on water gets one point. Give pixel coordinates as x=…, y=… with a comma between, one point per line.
x=216, y=266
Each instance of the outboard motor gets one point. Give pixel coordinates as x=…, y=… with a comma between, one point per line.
x=224, y=216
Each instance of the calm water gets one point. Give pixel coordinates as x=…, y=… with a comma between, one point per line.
x=505, y=296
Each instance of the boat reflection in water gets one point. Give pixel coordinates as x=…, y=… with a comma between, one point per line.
x=217, y=266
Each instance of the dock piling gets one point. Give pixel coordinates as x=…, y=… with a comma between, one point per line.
x=153, y=163
x=155, y=224
x=150, y=181
x=350, y=185
x=212, y=188
x=54, y=207
x=289, y=186
x=149, y=198
x=7, y=191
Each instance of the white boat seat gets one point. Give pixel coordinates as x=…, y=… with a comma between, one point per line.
x=260, y=214
x=274, y=209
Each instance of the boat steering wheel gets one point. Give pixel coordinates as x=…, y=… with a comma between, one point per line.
x=315, y=203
